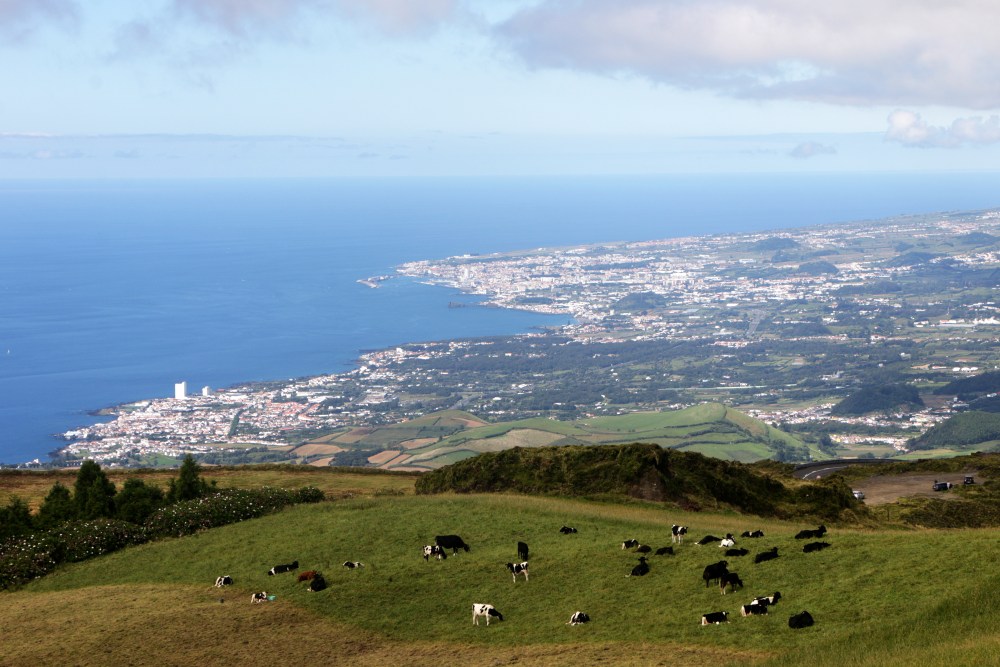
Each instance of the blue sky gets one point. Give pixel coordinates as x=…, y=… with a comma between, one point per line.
x=180, y=88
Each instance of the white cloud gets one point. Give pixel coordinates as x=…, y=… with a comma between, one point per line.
x=808, y=149
x=857, y=52
x=910, y=129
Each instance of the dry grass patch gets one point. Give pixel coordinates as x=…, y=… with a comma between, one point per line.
x=313, y=448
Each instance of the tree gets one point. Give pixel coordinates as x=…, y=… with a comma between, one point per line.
x=57, y=508
x=93, y=492
x=137, y=500
x=188, y=485
x=15, y=518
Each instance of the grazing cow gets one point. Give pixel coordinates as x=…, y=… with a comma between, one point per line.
x=714, y=571
x=815, y=546
x=808, y=534
x=640, y=570
x=708, y=539
x=737, y=552
x=522, y=551
x=520, y=568
x=434, y=550
x=767, y=600
x=663, y=551
x=308, y=575
x=715, y=617
x=628, y=544
x=317, y=584
x=730, y=579
x=566, y=530
x=453, y=542
x=278, y=569
x=677, y=533
x=752, y=533
x=643, y=549
x=578, y=617
x=224, y=580
x=770, y=554
x=258, y=597
x=487, y=610
x=801, y=620
x=353, y=564
x=753, y=609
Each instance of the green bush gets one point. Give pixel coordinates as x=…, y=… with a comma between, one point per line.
x=25, y=558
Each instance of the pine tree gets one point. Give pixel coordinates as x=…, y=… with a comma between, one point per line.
x=137, y=500
x=93, y=492
x=15, y=518
x=57, y=508
x=188, y=485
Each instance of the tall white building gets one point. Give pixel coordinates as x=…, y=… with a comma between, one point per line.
x=206, y=391
x=181, y=390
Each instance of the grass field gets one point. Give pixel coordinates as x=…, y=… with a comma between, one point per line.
x=879, y=597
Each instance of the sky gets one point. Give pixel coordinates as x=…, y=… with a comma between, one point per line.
x=320, y=88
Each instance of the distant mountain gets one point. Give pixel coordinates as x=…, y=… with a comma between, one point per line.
x=817, y=268
x=878, y=399
x=966, y=430
x=984, y=383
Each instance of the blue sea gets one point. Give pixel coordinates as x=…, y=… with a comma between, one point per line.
x=113, y=291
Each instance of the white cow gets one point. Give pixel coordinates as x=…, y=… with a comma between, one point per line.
x=487, y=610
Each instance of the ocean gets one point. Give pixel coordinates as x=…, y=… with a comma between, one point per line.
x=112, y=291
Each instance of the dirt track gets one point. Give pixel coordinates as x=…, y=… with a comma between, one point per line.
x=879, y=489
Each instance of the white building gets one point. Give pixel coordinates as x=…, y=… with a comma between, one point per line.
x=206, y=391
x=181, y=390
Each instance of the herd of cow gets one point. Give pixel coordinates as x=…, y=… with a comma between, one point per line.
x=718, y=571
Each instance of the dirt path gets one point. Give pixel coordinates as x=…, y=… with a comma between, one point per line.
x=881, y=489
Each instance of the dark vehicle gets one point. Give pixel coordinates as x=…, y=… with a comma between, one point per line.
x=969, y=480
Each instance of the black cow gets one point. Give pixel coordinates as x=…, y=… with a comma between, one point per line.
x=771, y=554
x=730, y=579
x=815, y=546
x=767, y=600
x=664, y=551
x=752, y=533
x=801, y=620
x=224, y=580
x=640, y=570
x=278, y=569
x=520, y=568
x=628, y=544
x=715, y=617
x=714, y=571
x=737, y=552
x=578, y=617
x=566, y=530
x=808, y=534
x=522, y=551
x=708, y=539
x=677, y=533
x=317, y=584
x=453, y=542
x=753, y=609
x=643, y=549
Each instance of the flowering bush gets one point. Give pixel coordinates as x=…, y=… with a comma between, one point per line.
x=85, y=539
x=25, y=558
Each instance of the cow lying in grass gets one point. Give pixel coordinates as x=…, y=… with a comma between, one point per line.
x=278, y=569
x=815, y=546
x=753, y=610
x=317, y=584
x=801, y=620
x=567, y=530
x=715, y=617
x=224, y=580
x=353, y=565
x=640, y=570
x=578, y=617
x=308, y=575
x=808, y=534
x=752, y=533
x=487, y=610
x=434, y=550
x=257, y=598
x=763, y=556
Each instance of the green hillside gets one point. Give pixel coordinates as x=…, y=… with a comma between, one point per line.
x=879, y=597
x=966, y=430
x=711, y=429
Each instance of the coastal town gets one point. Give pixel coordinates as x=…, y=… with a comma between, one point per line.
x=781, y=324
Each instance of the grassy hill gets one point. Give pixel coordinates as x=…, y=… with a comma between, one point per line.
x=966, y=430
x=446, y=437
x=878, y=597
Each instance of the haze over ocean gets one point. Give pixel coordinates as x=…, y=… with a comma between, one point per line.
x=112, y=291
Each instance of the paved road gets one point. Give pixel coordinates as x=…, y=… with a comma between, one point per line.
x=819, y=469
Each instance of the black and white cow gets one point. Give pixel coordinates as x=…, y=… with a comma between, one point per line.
x=807, y=534
x=728, y=542
x=278, y=569
x=628, y=544
x=801, y=620
x=487, y=610
x=566, y=530
x=640, y=570
x=767, y=600
x=763, y=556
x=815, y=546
x=708, y=539
x=665, y=551
x=677, y=533
x=737, y=552
x=715, y=617
x=257, y=598
x=224, y=580
x=434, y=550
x=753, y=610
x=519, y=568
x=353, y=565
x=714, y=571
x=578, y=617
x=730, y=579
x=453, y=542
x=522, y=551
x=752, y=533
x=317, y=583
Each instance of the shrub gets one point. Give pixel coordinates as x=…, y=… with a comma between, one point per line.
x=85, y=539
x=25, y=558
